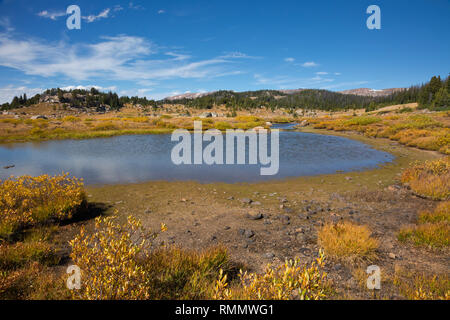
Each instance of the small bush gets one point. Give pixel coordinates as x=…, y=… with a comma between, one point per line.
x=122, y=262
x=29, y=200
x=109, y=259
x=108, y=126
x=16, y=256
x=362, y=121
x=289, y=281
x=436, y=235
x=346, y=240
x=422, y=287
x=72, y=119
x=440, y=214
x=429, y=179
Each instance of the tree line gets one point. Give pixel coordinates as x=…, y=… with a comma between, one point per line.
x=434, y=95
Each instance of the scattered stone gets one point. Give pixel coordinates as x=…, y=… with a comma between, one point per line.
x=392, y=256
x=348, y=178
x=39, y=117
x=270, y=255
x=257, y=216
x=337, y=267
x=249, y=233
x=288, y=210
x=305, y=251
x=256, y=203
x=241, y=232
x=246, y=201
x=286, y=220
x=227, y=228
x=213, y=238
x=230, y=198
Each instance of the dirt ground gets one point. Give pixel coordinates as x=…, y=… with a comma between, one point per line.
x=269, y=222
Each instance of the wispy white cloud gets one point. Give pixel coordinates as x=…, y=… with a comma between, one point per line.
x=102, y=15
x=310, y=64
x=88, y=87
x=9, y=92
x=345, y=85
x=321, y=73
x=237, y=55
x=117, y=58
x=161, y=11
x=286, y=82
x=6, y=24
x=290, y=60
x=53, y=15
x=133, y=6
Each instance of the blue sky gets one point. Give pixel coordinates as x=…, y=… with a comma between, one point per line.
x=163, y=48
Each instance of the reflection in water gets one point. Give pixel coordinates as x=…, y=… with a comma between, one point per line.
x=127, y=159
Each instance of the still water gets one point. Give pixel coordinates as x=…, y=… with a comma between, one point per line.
x=138, y=158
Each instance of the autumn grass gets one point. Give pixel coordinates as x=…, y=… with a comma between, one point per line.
x=289, y=281
x=436, y=235
x=19, y=255
x=433, y=229
x=440, y=214
x=30, y=210
x=26, y=201
x=123, y=262
x=429, y=179
x=420, y=286
x=428, y=132
x=347, y=241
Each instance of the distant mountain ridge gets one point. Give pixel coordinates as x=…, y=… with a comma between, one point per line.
x=189, y=96
x=372, y=92
x=367, y=92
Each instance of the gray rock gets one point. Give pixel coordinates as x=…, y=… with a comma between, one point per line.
x=246, y=201
x=249, y=234
x=257, y=216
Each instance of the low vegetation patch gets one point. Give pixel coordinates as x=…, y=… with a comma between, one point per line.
x=433, y=229
x=415, y=286
x=27, y=201
x=292, y=280
x=348, y=241
x=429, y=179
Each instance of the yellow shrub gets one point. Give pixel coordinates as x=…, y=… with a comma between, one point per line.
x=441, y=213
x=346, y=240
x=71, y=119
x=29, y=200
x=289, y=281
x=109, y=260
x=429, y=179
x=248, y=119
x=108, y=126
x=435, y=235
x=21, y=254
x=422, y=287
